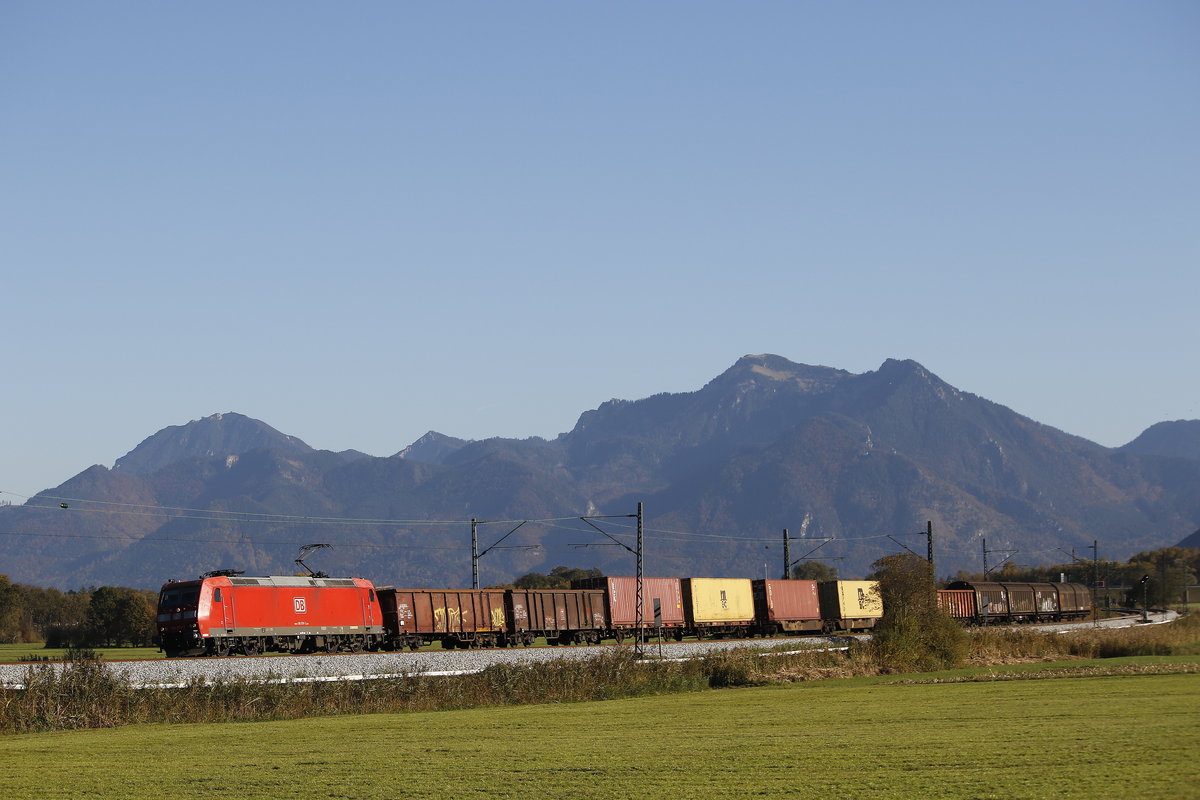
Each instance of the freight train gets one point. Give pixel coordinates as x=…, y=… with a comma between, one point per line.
x=991, y=603
x=225, y=613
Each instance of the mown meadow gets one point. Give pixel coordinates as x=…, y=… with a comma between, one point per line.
x=1127, y=729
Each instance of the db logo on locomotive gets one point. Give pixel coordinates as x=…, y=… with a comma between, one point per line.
x=300, y=604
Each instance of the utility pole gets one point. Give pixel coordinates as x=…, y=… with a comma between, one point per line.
x=929, y=533
x=639, y=611
x=1095, y=562
x=787, y=550
x=474, y=554
x=787, y=556
x=641, y=593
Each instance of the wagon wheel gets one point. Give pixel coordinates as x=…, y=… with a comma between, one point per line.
x=619, y=636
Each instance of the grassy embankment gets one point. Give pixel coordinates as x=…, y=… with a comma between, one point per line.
x=17, y=653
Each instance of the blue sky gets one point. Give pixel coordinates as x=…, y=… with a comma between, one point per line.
x=359, y=223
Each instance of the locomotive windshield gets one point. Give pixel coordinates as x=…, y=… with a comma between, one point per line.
x=179, y=597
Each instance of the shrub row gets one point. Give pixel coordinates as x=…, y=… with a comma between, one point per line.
x=85, y=694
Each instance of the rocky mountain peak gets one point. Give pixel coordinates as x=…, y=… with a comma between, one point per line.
x=767, y=370
x=432, y=448
x=224, y=435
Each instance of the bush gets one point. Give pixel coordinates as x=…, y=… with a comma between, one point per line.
x=914, y=635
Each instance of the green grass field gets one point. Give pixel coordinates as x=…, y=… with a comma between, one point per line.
x=1093, y=737
x=13, y=653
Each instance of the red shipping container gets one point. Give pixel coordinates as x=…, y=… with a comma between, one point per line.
x=662, y=605
x=787, y=605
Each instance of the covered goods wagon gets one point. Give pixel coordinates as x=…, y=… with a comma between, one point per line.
x=1004, y=602
x=958, y=603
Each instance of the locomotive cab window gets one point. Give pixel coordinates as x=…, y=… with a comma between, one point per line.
x=217, y=595
x=371, y=595
x=179, y=598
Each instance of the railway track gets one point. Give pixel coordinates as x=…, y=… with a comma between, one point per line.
x=366, y=666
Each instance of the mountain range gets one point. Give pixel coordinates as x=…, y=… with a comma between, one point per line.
x=853, y=465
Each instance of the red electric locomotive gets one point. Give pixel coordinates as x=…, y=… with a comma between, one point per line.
x=222, y=614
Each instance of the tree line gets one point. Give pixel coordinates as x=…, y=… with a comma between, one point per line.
x=107, y=616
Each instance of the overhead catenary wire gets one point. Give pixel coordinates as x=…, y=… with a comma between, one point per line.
x=202, y=540
x=57, y=503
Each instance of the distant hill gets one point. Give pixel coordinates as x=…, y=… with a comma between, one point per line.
x=722, y=470
x=1191, y=541
x=432, y=448
x=220, y=435
x=1180, y=439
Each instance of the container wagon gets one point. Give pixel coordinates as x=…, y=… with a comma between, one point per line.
x=662, y=605
x=226, y=614
x=849, y=605
x=718, y=606
x=785, y=606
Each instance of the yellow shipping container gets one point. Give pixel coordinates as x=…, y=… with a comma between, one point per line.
x=850, y=600
x=710, y=600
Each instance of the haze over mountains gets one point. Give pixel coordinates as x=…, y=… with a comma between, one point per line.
x=868, y=458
